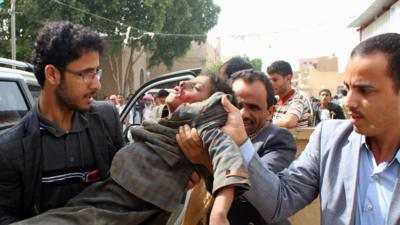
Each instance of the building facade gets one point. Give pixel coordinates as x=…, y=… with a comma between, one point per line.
x=117, y=78
x=381, y=16
x=318, y=73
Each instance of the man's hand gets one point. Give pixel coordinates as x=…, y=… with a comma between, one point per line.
x=234, y=126
x=190, y=143
x=194, y=179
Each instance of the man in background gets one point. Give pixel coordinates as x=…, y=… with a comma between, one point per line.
x=161, y=96
x=325, y=109
x=233, y=65
x=293, y=108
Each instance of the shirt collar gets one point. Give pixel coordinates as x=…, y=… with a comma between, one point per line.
x=365, y=147
x=79, y=123
x=282, y=100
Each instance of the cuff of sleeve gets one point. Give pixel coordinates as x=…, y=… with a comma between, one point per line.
x=247, y=151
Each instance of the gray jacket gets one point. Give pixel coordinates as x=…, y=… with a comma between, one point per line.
x=328, y=167
x=277, y=149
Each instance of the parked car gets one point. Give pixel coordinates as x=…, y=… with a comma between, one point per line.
x=160, y=82
x=26, y=71
x=18, y=91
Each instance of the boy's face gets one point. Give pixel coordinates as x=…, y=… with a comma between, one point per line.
x=281, y=84
x=324, y=97
x=195, y=90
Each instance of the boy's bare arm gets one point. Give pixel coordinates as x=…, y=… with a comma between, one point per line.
x=222, y=204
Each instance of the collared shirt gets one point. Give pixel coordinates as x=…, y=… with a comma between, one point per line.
x=68, y=163
x=376, y=184
x=294, y=103
x=247, y=150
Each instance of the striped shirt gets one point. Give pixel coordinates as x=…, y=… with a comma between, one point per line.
x=294, y=103
x=68, y=163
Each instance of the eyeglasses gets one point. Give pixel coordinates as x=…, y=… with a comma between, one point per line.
x=87, y=75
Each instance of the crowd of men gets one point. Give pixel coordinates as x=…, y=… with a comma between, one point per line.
x=66, y=162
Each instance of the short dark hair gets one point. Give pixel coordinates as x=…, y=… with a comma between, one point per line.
x=162, y=93
x=280, y=67
x=388, y=44
x=325, y=90
x=233, y=65
x=60, y=43
x=251, y=76
x=220, y=84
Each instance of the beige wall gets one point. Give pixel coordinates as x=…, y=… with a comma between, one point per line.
x=313, y=81
x=199, y=56
x=323, y=64
x=317, y=73
x=134, y=78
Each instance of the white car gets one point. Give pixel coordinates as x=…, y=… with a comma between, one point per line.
x=18, y=91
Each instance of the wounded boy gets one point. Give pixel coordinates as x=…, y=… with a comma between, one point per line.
x=148, y=177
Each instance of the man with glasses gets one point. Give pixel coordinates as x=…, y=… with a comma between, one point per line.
x=68, y=140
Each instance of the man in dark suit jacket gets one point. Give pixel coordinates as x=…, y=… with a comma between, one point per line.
x=67, y=141
x=275, y=146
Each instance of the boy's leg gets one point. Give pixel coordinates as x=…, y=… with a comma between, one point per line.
x=104, y=202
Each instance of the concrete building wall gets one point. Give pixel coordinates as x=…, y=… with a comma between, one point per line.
x=323, y=64
x=136, y=77
x=199, y=56
x=313, y=81
x=381, y=17
x=316, y=74
x=379, y=26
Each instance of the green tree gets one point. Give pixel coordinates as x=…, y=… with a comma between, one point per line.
x=152, y=22
x=215, y=67
x=255, y=62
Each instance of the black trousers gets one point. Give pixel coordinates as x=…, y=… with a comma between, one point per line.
x=102, y=203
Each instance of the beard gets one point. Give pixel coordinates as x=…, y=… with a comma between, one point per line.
x=66, y=101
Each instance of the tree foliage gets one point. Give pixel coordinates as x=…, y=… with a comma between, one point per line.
x=152, y=22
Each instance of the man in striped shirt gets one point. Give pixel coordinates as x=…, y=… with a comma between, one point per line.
x=293, y=108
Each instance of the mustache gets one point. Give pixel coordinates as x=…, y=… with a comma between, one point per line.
x=353, y=110
x=93, y=94
x=247, y=121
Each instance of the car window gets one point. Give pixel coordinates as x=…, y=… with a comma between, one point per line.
x=35, y=91
x=13, y=106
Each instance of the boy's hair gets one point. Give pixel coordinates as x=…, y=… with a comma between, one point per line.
x=388, y=44
x=325, y=90
x=219, y=84
x=251, y=76
x=162, y=93
x=60, y=43
x=280, y=67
